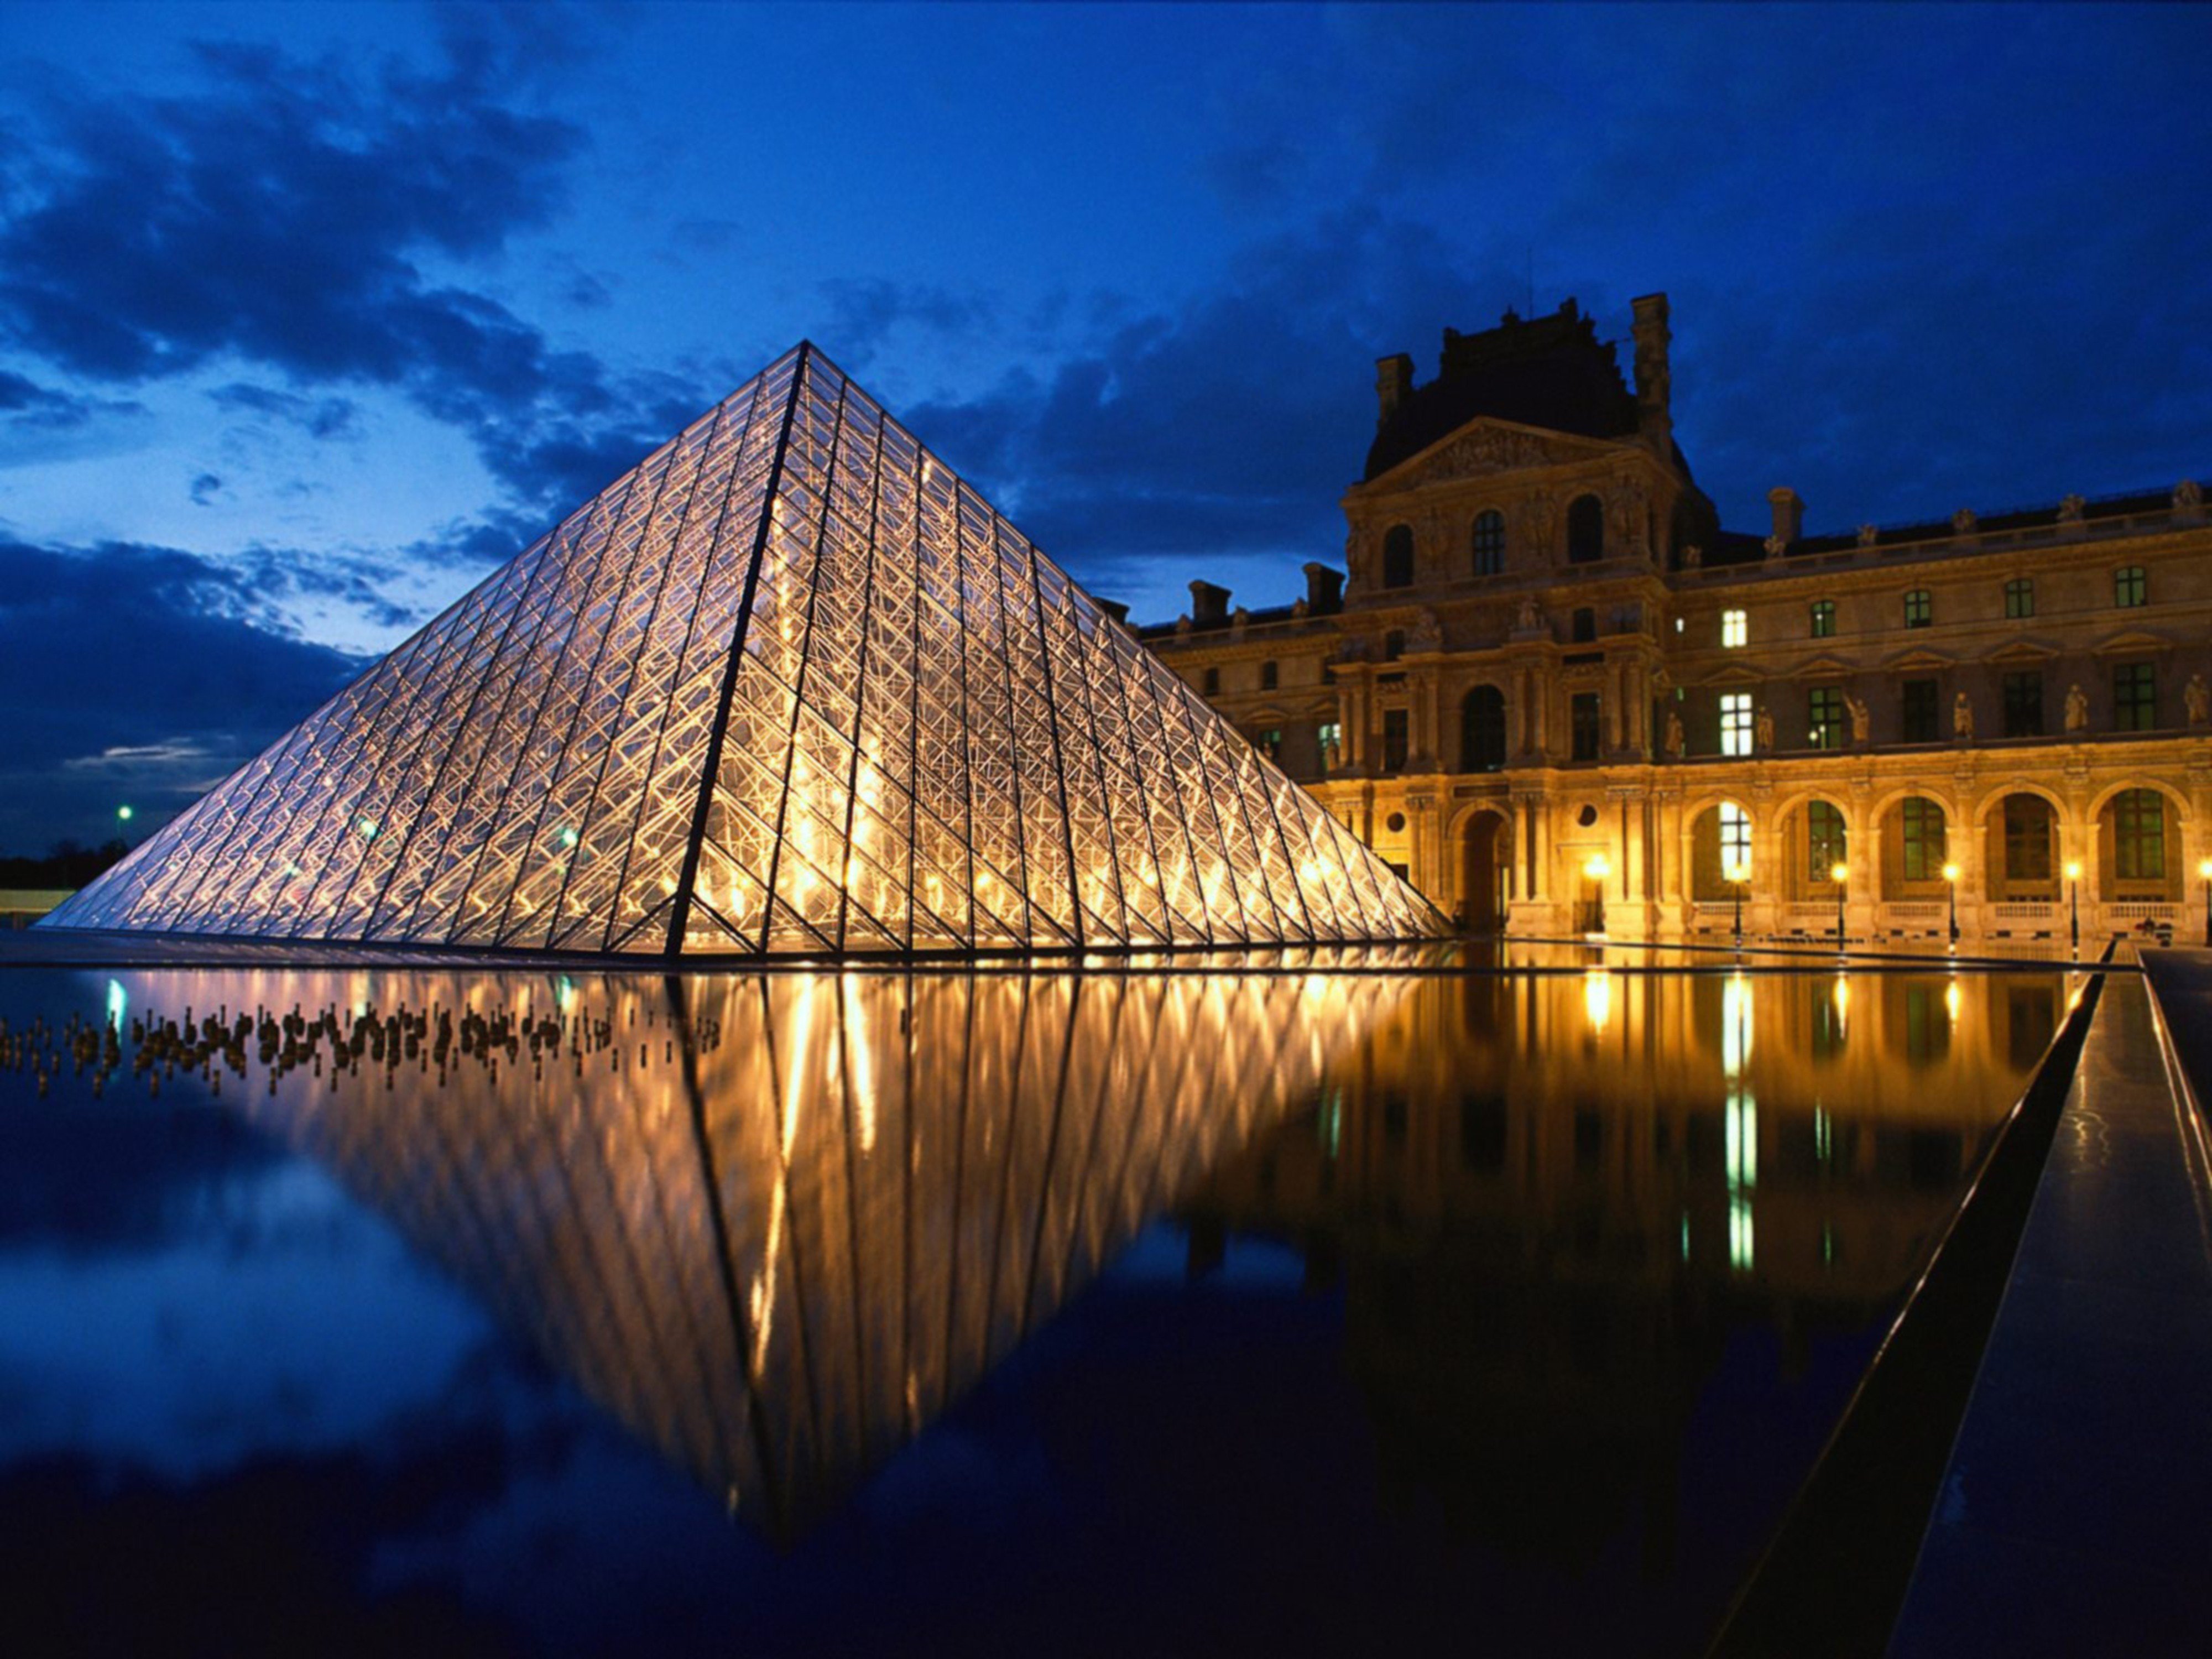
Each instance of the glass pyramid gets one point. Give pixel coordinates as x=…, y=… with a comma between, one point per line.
x=788, y=687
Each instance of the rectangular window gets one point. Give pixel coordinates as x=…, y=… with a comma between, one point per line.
x=2026, y=838
x=1329, y=736
x=1735, y=628
x=1824, y=619
x=1393, y=644
x=1583, y=725
x=1735, y=723
x=2129, y=587
x=2139, y=834
x=1923, y=839
x=2019, y=598
x=1268, y=676
x=1584, y=628
x=1271, y=743
x=1394, y=728
x=1824, y=847
x=1824, y=717
x=2134, y=697
x=1736, y=839
x=1919, y=608
x=1212, y=682
x=1919, y=710
x=2023, y=704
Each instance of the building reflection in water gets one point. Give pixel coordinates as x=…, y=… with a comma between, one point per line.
x=778, y=1225
x=1554, y=1203
x=775, y=1224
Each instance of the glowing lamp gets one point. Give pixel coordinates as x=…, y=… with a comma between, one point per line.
x=1839, y=872
x=2073, y=869
x=1950, y=872
x=1739, y=874
x=123, y=813
x=1599, y=867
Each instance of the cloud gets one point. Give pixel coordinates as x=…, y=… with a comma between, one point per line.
x=140, y=664
x=1180, y=441
x=283, y=214
x=318, y=417
x=29, y=407
x=206, y=488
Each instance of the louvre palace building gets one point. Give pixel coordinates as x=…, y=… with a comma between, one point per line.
x=1559, y=697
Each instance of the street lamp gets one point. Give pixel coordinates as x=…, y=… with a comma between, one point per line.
x=2204, y=873
x=1840, y=873
x=2074, y=897
x=1597, y=870
x=1738, y=874
x=1951, y=876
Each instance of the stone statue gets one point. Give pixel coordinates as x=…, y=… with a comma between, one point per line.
x=2189, y=499
x=1867, y=533
x=1427, y=633
x=1860, y=718
x=1531, y=617
x=2198, y=698
x=1762, y=730
x=1963, y=521
x=2077, y=709
x=1677, y=744
x=1692, y=557
x=2070, y=509
x=1962, y=718
x=1776, y=545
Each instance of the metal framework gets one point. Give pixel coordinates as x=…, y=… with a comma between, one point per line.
x=789, y=687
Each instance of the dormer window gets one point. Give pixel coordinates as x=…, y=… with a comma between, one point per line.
x=1489, y=543
x=1398, y=556
x=1585, y=530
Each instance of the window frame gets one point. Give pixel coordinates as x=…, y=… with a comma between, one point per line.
x=1737, y=730
x=1735, y=629
x=1486, y=541
x=2019, y=599
x=1919, y=608
x=1915, y=731
x=2135, y=696
x=1925, y=845
x=1827, y=841
x=1824, y=619
x=1397, y=738
x=1825, y=717
x=2139, y=835
x=1397, y=562
x=1580, y=728
x=1585, y=530
x=2130, y=587
x=2011, y=709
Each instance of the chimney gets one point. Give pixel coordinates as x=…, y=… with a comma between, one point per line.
x=1209, y=606
x=1655, y=420
x=1788, y=514
x=1394, y=384
x=1324, y=591
x=1116, y=610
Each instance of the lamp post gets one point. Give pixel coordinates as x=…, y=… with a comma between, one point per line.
x=1738, y=874
x=2204, y=873
x=2074, y=900
x=1951, y=879
x=1597, y=870
x=1840, y=873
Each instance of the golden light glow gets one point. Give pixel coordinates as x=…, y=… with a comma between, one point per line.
x=1954, y=999
x=1951, y=872
x=1597, y=998
x=2204, y=868
x=1840, y=873
x=1738, y=873
x=2073, y=869
x=1599, y=866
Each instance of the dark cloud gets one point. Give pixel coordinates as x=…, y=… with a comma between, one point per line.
x=138, y=674
x=206, y=488
x=324, y=418
x=281, y=216
x=863, y=312
x=1218, y=434
x=32, y=408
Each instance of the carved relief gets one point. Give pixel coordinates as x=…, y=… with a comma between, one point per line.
x=1488, y=450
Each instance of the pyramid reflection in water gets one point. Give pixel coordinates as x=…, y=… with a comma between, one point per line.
x=779, y=1224
x=788, y=687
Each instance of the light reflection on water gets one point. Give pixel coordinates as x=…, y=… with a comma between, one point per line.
x=779, y=1226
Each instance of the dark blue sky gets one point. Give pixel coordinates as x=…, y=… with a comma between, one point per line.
x=310, y=314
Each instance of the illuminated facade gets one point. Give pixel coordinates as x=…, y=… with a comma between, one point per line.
x=1557, y=696
x=787, y=687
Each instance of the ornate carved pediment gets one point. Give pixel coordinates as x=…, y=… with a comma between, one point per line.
x=1484, y=447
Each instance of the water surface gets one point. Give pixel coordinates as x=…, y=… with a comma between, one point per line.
x=1087, y=1312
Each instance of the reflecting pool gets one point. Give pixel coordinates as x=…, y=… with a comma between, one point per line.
x=1016, y=1311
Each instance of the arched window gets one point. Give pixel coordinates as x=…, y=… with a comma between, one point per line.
x=1398, y=556
x=1482, y=730
x=1824, y=842
x=1489, y=543
x=1586, y=531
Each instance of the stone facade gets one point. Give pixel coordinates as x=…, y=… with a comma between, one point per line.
x=1562, y=699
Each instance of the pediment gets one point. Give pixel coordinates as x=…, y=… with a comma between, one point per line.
x=2131, y=640
x=1919, y=657
x=2024, y=651
x=1826, y=663
x=1488, y=446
